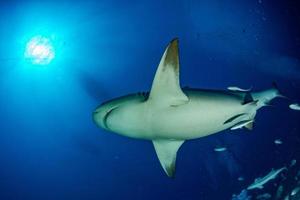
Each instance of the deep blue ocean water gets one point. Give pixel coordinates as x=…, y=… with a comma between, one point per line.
x=51, y=149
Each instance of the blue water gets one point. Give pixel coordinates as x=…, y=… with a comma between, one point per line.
x=51, y=149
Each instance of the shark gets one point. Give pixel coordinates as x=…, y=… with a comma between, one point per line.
x=260, y=182
x=169, y=115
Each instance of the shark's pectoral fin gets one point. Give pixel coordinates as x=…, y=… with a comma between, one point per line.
x=166, y=151
x=166, y=87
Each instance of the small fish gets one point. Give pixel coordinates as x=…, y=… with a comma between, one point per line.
x=294, y=106
x=287, y=197
x=260, y=182
x=241, y=178
x=220, y=149
x=295, y=191
x=237, y=89
x=264, y=196
x=278, y=141
x=241, y=124
x=298, y=174
x=293, y=162
x=279, y=192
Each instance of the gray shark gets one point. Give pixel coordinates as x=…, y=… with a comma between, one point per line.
x=260, y=182
x=169, y=115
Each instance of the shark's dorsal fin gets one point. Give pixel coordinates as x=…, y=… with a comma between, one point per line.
x=166, y=87
x=166, y=151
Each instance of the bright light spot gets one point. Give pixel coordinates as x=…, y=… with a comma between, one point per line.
x=39, y=50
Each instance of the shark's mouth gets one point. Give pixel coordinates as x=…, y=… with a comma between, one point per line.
x=105, y=118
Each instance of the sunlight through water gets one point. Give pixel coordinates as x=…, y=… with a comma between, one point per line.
x=39, y=51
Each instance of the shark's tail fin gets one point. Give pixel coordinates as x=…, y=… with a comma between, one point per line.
x=278, y=92
x=266, y=96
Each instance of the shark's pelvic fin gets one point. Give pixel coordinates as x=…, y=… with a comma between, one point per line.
x=166, y=151
x=166, y=87
x=249, y=126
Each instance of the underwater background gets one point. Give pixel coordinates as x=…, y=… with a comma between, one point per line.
x=50, y=147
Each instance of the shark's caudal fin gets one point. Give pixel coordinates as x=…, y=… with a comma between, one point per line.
x=266, y=96
x=278, y=92
x=166, y=151
x=166, y=87
x=275, y=86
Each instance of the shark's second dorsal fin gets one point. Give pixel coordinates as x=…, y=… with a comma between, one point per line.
x=166, y=87
x=166, y=151
x=247, y=98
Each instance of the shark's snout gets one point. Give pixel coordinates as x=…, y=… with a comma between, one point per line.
x=101, y=114
x=97, y=117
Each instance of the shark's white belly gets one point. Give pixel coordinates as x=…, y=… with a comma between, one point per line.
x=180, y=124
x=199, y=118
x=203, y=115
